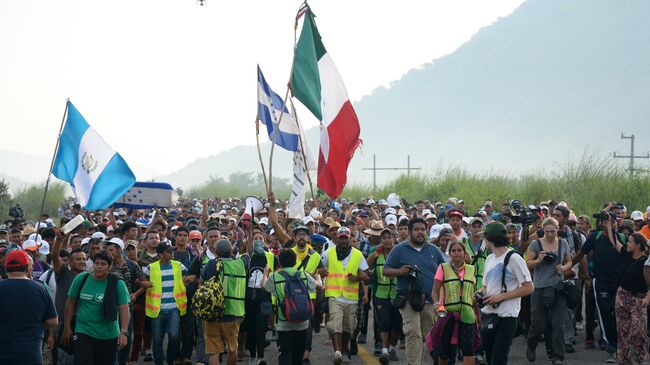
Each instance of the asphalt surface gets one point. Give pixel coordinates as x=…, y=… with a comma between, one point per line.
x=323, y=353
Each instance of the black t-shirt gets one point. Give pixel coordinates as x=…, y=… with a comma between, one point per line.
x=24, y=306
x=605, y=258
x=254, y=290
x=632, y=278
x=63, y=282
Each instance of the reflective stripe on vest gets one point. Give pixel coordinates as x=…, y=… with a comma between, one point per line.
x=270, y=261
x=454, y=302
x=337, y=283
x=386, y=287
x=234, y=285
x=153, y=295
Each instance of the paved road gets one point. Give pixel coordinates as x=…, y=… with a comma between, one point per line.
x=323, y=353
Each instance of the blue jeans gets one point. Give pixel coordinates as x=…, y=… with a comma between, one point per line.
x=168, y=321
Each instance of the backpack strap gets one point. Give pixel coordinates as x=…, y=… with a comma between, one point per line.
x=506, y=260
x=305, y=261
x=49, y=276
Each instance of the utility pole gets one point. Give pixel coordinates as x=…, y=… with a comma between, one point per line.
x=374, y=169
x=632, y=156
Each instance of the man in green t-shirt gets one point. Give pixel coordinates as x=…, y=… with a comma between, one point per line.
x=98, y=299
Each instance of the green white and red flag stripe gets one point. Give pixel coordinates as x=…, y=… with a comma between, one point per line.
x=316, y=82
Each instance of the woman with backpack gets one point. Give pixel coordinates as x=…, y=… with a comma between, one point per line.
x=100, y=302
x=291, y=289
x=453, y=297
x=550, y=257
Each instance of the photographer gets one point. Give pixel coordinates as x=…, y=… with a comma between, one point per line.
x=550, y=257
x=414, y=263
x=606, y=271
x=505, y=283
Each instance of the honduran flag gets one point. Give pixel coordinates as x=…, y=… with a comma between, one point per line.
x=97, y=174
x=316, y=82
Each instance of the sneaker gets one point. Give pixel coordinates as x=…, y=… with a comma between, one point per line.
x=261, y=362
x=530, y=355
x=569, y=349
x=590, y=345
x=148, y=356
x=611, y=358
x=354, y=348
x=338, y=358
x=362, y=338
x=392, y=355
x=384, y=358
x=347, y=358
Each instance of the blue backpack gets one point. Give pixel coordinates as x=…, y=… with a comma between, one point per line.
x=296, y=304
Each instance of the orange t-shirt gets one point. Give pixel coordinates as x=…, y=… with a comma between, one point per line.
x=645, y=231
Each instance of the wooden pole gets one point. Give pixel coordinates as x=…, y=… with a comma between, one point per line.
x=49, y=173
x=259, y=152
x=302, y=150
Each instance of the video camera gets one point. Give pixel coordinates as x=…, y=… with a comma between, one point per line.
x=16, y=212
x=522, y=214
x=604, y=216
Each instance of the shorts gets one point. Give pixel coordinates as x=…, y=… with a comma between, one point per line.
x=342, y=317
x=389, y=319
x=465, y=339
x=220, y=336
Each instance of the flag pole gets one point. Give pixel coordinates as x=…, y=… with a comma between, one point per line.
x=259, y=151
x=56, y=148
x=286, y=95
x=302, y=150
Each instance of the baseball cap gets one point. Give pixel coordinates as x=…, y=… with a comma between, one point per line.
x=636, y=215
x=4, y=228
x=224, y=248
x=300, y=227
x=473, y=220
x=572, y=218
x=195, y=235
x=425, y=212
x=455, y=213
x=162, y=247
x=391, y=219
x=343, y=232
x=16, y=259
x=495, y=230
x=264, y=221
x=430, y=216
x=390, y=211
x=30, y=245
x=116, y=241
x=44, y=247
x=435, y=231
x=308, y=219
x=85, y=241
x=99, y=235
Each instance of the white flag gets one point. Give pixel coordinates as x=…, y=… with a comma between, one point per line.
x=299, y=179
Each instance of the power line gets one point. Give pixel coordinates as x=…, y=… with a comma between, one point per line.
x=632, y=156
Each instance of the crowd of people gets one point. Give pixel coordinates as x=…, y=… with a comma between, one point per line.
x=223, y=283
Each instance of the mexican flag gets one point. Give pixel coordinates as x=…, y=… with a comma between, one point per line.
x=316, y=82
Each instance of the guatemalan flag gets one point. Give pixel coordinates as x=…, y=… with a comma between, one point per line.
x=97, y=174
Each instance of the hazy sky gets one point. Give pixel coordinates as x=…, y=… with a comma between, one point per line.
x=167, y=81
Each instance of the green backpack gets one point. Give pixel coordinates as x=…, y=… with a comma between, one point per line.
x=208, y=302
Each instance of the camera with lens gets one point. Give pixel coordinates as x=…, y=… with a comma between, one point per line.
x=478, y=297
x=522, y=214
x=16, y=212
x=413, y=273
x=604, y=216
x=549, y=258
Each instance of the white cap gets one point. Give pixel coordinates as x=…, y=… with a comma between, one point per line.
x=430, y=216
x=308, y=219
x=425, y=212
x=29, y=244
x=391, y=219
x=116, y=241
x=382, y=202
x=402, y=217
x=50, y=221
x=85, y=241
x=636, y=215
x=467, y=220
x=42, y=225
x=435, y=231
x=562, y=204
x=446, y=225
x=264, y=220
x=100, y=235
x=371, y=202
x=647, y=210
x=390, y=211
x=35, y=237
x=314, y=213
x=44, y=248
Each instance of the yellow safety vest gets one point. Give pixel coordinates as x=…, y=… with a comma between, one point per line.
x=477, y=262
x=455, y=301
x=154, y=294
x=337, y=283
x=234, y=285
x=310, y=268
x=386, y=286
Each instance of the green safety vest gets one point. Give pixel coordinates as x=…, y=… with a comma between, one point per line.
x=386, y=287
x=234, y=285
x=278, y=292
x=455, y=301
x=478, y=262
